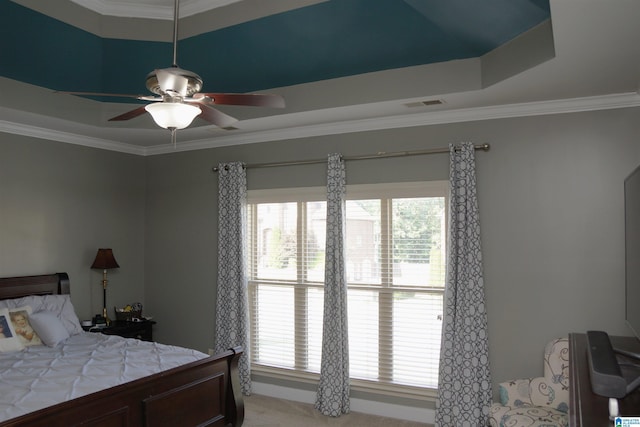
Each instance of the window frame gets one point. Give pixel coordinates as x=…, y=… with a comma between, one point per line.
x=301, y=195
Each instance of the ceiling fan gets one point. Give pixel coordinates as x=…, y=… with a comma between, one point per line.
x=178, y=100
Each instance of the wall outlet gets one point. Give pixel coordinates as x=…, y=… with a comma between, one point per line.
x=210, y=352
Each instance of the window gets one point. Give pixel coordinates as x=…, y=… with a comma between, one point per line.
x=395, y=259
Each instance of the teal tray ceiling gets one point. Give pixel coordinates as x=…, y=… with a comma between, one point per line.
x=328, y=40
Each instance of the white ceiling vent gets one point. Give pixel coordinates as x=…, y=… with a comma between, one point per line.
x=427, y=103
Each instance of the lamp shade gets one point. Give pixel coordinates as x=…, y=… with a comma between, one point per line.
x=172, y=115
x=105, y=260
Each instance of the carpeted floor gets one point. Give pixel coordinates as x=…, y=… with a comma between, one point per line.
x=262, y=411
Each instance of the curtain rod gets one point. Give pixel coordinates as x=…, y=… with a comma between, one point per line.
x=378, y=155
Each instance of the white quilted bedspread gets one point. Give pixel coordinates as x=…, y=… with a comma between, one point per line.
x=40, y=376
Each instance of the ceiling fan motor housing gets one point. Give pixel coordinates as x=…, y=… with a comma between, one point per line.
x=194, y=81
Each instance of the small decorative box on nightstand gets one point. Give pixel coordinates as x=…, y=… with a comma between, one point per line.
x=139, y=330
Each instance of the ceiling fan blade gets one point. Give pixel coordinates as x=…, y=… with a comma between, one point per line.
x=129, y=114
x=116, y=95
x=214, y=116
x=172, y=83
x=250, y=99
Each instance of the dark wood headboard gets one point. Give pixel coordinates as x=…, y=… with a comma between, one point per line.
x=46, y=284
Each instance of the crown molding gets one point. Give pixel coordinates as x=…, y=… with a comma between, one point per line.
x=68, y=138
x=563, y=106
x=594, y=103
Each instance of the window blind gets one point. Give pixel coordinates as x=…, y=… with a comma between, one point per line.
x=395, y=257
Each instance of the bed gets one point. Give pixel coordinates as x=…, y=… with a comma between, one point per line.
x=202, y=392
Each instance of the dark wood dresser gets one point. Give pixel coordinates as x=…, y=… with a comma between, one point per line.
x=587, y=409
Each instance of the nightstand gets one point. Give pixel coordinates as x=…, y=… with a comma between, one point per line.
x=140, y=330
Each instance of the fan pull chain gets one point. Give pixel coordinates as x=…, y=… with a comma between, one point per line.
x=173, y=137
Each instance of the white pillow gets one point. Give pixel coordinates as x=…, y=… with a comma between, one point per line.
x=20, y=319
x=8, y=338
x=60, y=305
x=49, y=328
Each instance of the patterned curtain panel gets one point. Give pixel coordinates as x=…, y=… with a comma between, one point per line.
x=464, y=384
x=333, y=391
x=232, y=308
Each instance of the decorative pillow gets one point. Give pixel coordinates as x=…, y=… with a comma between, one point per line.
x=49, y=328
x=8, y=338
x=60, y=305
x=21, y=325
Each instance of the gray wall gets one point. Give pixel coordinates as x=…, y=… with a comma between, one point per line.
x=551, y=210
x=551, y=207
x=59, y=203
x=181, y=235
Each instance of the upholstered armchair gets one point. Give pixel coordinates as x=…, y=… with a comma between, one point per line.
x=537, y=402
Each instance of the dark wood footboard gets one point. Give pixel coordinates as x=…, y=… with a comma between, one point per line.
x=202, y=393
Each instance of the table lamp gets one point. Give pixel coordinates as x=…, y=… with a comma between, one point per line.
x=104, y=261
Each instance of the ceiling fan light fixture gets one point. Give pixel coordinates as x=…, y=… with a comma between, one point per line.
x=172, y=115
x=179, y=100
